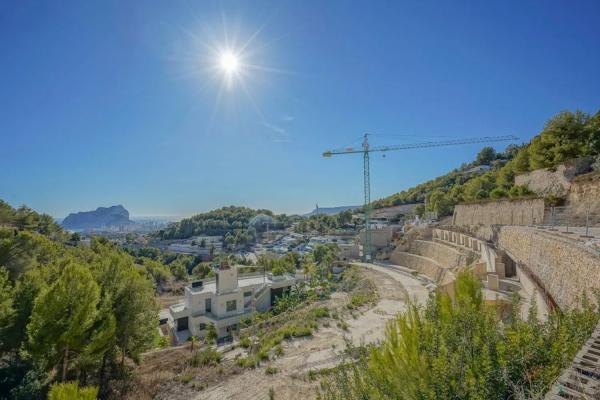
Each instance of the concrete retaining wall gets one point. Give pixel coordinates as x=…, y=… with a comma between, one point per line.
x=500, y=212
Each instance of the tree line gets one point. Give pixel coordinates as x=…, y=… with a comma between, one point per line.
x=67, y=312
x=226, y=221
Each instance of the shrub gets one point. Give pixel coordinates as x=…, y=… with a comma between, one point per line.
x=278, y=350
x=321, y=312
x=342, y=325
x=245, y=342
x=498, y=193
x=208, y=356
x=71, y=390
x=459, y=349
x=357, y=300
x=270, y=370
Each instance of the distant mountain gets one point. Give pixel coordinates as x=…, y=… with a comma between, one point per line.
x=102, y=217
x=331, y=210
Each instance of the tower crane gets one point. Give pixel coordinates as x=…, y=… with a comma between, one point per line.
x=367, y=149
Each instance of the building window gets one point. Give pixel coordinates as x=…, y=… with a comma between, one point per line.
x=231, y=305
x=247, y=294
x=202, y=327
x=207, y=305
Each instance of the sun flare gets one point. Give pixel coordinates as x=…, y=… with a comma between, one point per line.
x=229, y=62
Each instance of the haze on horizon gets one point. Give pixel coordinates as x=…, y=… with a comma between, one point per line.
x=181, y=108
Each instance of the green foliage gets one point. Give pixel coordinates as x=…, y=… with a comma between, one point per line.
x=156, y=271
x=498, y=193
x=72, y=309
x=321, y=312
x=520, y=191
x=25, y=219
x=208, y=356
x=440, y=203
x=460, y=350
x=62, y=318
x=72, y=391
x=323, y=223
x=211, y=334
x=566, y=136
x=270, y=370
x=232, y=221
x=6, y=304
x=486, y=156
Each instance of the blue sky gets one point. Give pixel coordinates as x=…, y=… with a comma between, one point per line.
x=115, y=102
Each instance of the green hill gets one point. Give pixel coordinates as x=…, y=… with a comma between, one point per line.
x=566, y=136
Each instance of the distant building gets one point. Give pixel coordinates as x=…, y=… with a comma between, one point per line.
x=225, y=300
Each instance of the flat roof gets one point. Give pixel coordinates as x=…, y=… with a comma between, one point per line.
x=243, y=282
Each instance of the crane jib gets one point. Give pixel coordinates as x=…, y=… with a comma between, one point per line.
x=366, y=149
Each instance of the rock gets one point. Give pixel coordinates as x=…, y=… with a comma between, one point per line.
x=102, y=217
x=544, y=182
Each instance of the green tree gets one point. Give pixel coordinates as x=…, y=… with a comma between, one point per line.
x=6, y=305
x=62, y=317
x=565, y=136
x=439, y=202
x=522, y=163
x=211, y=334
x=486, y=156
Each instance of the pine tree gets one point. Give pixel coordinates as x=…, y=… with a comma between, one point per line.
x=62, y=317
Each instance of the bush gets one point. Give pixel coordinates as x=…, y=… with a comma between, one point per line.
x=321, y=312
x=278, y=350
x=271, y=370
x=461, y=350
x=245, y=342
x=498, y=193
x=71, y=391
x=357, y=300
x=208, y=356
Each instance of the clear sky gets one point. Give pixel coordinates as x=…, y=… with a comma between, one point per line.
x=118, y=102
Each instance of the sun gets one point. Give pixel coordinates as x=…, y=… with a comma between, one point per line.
x=229, y=62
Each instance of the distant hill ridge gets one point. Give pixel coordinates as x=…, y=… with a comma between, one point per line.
x=100, y=218
x=331, y=210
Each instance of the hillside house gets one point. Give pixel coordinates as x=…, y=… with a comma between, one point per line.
x=224, y=301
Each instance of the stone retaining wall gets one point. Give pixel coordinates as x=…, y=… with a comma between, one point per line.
x=500, y=212
x=563, y=267
x=441, y=253
x=584, y=194
x=423, y=265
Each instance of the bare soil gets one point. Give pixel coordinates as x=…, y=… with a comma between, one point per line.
x=322, y=350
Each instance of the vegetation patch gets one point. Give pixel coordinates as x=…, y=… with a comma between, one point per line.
x=207, y=356
x=461, y=350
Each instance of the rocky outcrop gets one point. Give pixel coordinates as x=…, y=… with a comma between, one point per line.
x=545, y=182
x=102, y=217
x=584, y=194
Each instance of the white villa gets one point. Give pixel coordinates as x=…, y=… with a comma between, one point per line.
x=224, y=300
